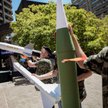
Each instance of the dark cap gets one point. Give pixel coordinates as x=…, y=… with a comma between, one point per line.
x=48, y=50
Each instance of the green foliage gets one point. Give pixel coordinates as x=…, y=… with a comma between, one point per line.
x=37, y=24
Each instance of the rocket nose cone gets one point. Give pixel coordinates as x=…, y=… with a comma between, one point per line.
x=61, y=20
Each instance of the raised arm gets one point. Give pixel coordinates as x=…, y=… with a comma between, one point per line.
x=79, y=52
x=84, y=75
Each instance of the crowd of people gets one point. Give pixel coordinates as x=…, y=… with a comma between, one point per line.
x=44, y=66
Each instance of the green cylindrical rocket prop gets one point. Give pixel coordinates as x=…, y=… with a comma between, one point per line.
x=67, y=71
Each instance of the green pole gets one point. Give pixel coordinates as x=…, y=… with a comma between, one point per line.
x=67, y=71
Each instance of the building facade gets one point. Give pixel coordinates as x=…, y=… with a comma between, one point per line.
x=98, y=7
x=5, y=11
x=26, y=3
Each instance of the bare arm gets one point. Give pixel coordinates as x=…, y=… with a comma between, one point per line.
x=54, y=73
x=31, y=64
x=78, y=49
x=48, y=75
x=84, y=76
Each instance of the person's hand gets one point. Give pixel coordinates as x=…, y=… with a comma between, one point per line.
x=70, y=29
x=72, y=60
x=65, y=60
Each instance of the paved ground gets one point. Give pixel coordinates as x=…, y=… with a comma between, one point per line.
x=19, y=96
x=24, y=95
x=94, y=92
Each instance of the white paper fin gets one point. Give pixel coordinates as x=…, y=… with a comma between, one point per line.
x=50, y=93
x=47, y=103
x=29, y=46
x=61, y=21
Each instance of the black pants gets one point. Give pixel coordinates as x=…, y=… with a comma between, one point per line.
x=60, y=105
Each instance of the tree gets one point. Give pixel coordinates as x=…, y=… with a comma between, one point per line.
x=37, y=24
x=88, y=29
x=99, y=31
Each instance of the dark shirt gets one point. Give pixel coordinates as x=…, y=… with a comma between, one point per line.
x=82, y=91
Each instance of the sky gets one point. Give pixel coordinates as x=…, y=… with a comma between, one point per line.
x=15, y=4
